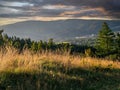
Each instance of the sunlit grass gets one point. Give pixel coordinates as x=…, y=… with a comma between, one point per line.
x=54, y=71
x=11, y=60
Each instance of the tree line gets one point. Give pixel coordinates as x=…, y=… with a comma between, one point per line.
x=107, y=44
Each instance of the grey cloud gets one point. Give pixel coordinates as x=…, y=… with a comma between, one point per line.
x=111, y=7
x=12, y=15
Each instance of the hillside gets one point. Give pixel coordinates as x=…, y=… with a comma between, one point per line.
x=58, y=30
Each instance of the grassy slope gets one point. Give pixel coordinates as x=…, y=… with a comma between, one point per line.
x=51, y=71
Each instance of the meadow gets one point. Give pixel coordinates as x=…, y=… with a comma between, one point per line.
x=48, y=70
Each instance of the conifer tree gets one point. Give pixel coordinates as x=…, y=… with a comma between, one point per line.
x=118, y=44
x=105, y=40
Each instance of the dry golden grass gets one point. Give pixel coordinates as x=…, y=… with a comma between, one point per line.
x=11, y=60
x=56, y=71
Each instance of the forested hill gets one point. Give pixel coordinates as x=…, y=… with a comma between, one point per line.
x=58, y=30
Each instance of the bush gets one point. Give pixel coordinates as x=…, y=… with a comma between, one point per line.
x=112, y=57
x=88, y=52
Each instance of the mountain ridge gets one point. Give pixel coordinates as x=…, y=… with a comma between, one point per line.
x=58, y=30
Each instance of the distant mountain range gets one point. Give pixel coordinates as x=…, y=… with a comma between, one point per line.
x=58, y=30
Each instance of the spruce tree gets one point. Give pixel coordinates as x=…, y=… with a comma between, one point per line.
x=118, y=45
x=105, y=40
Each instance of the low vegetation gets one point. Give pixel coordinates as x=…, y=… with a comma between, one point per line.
x=53, y=71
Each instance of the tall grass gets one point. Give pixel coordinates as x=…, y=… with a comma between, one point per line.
x=11, y=60
x=56, y=71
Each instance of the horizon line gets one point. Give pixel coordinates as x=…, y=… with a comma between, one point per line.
x=17, y=20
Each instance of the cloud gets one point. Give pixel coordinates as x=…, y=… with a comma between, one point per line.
x=4, y=21
x=6, y=10
x=16, y=4
x=85, y=12
x=112, y=7
x=60, y=8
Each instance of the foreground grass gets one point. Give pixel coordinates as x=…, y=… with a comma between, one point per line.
x=52, y=71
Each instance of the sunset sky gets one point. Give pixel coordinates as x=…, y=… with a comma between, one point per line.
x=12, y=11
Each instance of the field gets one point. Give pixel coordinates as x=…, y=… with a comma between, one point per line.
x=56, y=71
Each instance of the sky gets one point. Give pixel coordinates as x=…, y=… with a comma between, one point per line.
x=12, y=11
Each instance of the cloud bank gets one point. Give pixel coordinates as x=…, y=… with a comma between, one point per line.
x=61, y=9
